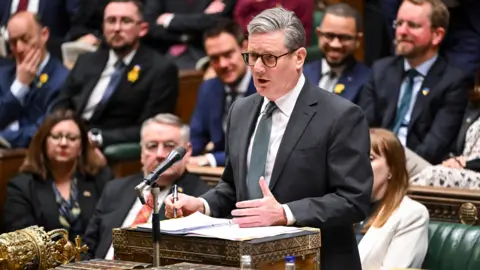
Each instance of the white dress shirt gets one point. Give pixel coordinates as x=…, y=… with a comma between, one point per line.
x=280, y=118
x=417, y=84
x=326, y=81
x=241, y=90
x=102, y=83
x=132, y=214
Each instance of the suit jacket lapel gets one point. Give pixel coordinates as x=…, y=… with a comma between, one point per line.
x=302, y=113
x=96, y=69
x=252, y=112
x=349, y=92
x=393, y=84
x=128, y=199
x=433, y=77
x=48, y=204
x=87, y=198
x=471, y=116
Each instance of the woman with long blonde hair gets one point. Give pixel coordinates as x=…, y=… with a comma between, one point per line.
x=396, y=233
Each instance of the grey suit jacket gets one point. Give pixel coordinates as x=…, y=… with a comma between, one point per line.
x=322, y=170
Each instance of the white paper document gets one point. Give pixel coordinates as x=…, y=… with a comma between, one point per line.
x=184, y=225
x=235, y=233
x=199, y=224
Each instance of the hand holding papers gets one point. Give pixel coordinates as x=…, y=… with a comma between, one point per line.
x=199, y=224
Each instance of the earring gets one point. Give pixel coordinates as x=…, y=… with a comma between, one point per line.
x=389, y=176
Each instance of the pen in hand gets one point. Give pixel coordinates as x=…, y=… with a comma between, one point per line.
x=175, y=198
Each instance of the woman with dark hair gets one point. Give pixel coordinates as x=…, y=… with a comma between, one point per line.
x=462, y=169
x=60, y=180
x=395, y=235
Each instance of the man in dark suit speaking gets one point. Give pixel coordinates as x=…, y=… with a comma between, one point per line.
x=295, y=154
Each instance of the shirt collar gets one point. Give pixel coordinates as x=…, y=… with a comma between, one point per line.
x=326, y=69
x=43, y=63
x=286, y=103
x=113, y=58
x=424, y=67
x=242, y=86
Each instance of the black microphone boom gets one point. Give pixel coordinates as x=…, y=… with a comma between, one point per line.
x=174, y=156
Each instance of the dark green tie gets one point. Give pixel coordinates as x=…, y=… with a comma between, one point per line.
x=258, y=157
x=406, y=99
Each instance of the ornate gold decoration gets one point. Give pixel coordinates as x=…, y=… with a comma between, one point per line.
x=34, y=248
x=468, y=214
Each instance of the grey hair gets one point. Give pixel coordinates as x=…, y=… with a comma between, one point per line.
x=280, y=19
x=169, y=119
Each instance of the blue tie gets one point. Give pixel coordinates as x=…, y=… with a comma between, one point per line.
x=258, y=157
x=114, y=81
x=405, y=102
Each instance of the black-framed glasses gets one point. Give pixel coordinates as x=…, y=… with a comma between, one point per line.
x=269, y=60
x=329, y=36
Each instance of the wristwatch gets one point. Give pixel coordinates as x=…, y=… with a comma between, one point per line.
x=96, y=136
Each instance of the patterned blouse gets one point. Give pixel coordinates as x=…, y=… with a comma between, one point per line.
x=69, y=210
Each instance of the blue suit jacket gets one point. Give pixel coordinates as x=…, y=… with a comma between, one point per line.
x=29, y=115
x=353, y=77
x=206, y=123
x=56, y=14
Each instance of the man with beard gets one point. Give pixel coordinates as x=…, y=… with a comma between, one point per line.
x=339, y=35
x=417, y=94
x=118, y=87
x=223, y=44
x=30, y=83
x=119, y=205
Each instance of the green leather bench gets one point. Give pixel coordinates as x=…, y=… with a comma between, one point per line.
x=452, y=247
x=313, y=52
x=122, y=152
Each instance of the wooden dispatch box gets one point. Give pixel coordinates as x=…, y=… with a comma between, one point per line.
x=267, y=253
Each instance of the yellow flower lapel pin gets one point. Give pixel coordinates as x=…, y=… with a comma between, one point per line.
x=133, y=74
x=339, y=88
x=425, y=91
x=43, y=79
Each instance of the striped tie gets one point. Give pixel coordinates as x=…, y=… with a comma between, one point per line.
x=144, y=213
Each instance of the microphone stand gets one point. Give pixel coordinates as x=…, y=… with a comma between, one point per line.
x=156, y=226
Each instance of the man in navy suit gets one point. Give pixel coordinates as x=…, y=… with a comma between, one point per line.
x=339, y=36
x=417, y=94
x=462, y=42
x=54, y=14
x=27, y=86
x=223, y=45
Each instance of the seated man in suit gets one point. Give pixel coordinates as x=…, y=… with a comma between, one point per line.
x=176, y=27
x=417, y=94
x=115, y=89
x=224, y=44
x=339, y=36
x=29, y=85
x=55, y=14
x=119, y=205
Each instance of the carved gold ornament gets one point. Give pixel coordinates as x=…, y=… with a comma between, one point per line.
x=33, y=248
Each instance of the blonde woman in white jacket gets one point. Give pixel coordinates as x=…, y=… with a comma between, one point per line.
x=396, y=233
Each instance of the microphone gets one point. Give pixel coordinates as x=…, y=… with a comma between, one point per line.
x=174, y=156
